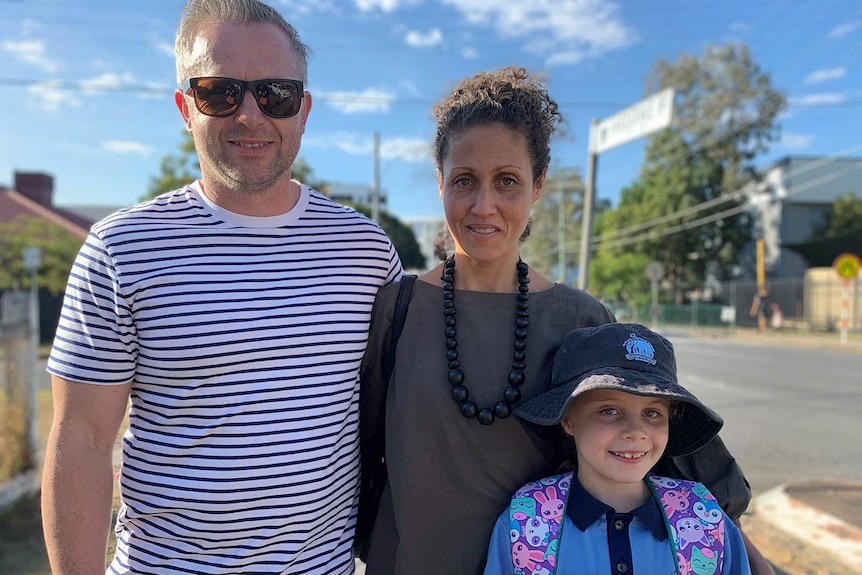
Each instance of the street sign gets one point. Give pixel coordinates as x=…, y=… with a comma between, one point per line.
x=32, y=257
x=654, y=271
x=847, y=265
x=651, y=114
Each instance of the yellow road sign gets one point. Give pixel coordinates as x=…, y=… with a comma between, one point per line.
x=847, y=265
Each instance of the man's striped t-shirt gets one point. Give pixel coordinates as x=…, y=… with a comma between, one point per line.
x=242, y=338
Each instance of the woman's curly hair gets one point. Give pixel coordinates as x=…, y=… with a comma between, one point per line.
x=510, y=97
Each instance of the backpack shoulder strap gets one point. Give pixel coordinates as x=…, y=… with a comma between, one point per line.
x=694, y=522
x=402, y=302
x=536, y=517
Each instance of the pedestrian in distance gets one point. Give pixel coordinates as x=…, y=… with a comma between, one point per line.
x=614, y=391
x=480, y=332
x=760, y=308
x=228, y=319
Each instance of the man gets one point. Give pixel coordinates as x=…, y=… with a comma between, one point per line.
x=231, y=316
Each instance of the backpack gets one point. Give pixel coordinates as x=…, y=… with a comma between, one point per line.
x=693, y=518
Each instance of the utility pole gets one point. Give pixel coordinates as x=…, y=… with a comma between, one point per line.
x=587, y=211
x=561, y=229
x=375, y=185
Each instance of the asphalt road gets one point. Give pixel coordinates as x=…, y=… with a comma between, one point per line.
x=789, y=413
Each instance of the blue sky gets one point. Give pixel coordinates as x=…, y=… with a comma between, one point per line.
x=379, y=65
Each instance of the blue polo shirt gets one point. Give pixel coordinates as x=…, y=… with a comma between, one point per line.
x=597, y=539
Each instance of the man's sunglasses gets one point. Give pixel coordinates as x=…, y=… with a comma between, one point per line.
x=222, y=97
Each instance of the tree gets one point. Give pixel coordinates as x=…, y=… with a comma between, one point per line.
x=725, y=105
x=726, y=109
x=402, y=237
x=59, y=249
x=845, y=216
x=176, y=170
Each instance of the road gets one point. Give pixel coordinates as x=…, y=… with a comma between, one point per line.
x=790, y=413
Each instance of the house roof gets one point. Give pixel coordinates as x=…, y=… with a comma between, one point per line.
x=14, y=204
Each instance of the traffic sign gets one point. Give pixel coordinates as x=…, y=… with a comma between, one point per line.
x=847, y=265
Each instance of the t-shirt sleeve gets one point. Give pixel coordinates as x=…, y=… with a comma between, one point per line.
x=96, y=340
x=500, y=549
x=735, y=560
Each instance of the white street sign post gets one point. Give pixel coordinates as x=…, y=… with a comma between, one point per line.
x=651, y=114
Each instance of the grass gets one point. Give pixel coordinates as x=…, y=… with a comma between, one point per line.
x=22, y=544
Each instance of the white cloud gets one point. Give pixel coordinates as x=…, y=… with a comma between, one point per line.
x=791, y=141
x=306, y=7
x=31, y=52
x=384, y=5
x=403, y=149
x=469, y=53
x=126, y=147
x=50, y=97
x=569, y=31
x=825, y=75
x=419, y=40
x=818, y=99
x=165, y=48
x=844, y=29
x=370, y=100
x=28, y=26
x=107, y=81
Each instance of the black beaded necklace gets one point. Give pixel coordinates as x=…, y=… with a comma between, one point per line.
x=460, y=393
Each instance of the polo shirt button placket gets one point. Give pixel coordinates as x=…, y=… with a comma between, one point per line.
x=622, y=567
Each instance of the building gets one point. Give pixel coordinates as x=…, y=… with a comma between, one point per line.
x=793, y=201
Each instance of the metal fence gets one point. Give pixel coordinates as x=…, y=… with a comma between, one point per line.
x=813, y=303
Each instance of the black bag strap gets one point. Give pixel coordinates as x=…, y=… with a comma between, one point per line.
x=405, y=294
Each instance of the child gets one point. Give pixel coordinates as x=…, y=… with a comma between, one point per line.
x=615, y=392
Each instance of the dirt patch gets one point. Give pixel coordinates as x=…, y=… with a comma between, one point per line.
x=787, y=554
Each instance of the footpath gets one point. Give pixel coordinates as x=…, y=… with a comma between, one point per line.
x=811, y=527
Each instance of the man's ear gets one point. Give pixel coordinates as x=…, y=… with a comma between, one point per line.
x=440, y=183
x=306, y=110
x=183, y=106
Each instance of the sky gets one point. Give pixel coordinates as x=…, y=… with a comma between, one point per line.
x=87, y=85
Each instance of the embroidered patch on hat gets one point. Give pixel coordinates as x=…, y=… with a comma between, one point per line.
x=640, y=349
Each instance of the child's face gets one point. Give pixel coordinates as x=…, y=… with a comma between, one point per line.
x=619, y=437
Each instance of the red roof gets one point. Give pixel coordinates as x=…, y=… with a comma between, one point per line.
x=14, y=204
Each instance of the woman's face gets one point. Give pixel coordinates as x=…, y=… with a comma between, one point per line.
x=487, y=189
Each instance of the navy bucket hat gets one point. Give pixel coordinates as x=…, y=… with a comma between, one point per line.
x=629, y=358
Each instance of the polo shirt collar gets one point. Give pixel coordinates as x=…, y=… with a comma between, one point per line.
x=583, y=510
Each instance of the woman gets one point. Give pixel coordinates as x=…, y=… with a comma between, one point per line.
x=479, y=337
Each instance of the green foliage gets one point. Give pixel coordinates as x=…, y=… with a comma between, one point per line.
x=725, y=112
x=58, y=246
x=725, y=105
x=621, y=278
x=401, y=235
x=845, y=216
x=688, y=251
x=176, y=170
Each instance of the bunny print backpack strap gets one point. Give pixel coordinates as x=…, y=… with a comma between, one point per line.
x=536, y=523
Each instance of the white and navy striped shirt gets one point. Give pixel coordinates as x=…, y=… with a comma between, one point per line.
x=242, y=338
